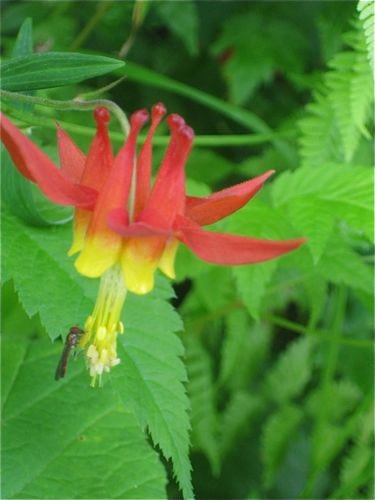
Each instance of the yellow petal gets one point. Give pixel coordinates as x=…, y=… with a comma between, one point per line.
x=167, y=260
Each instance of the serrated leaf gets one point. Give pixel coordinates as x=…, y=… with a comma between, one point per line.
x=345, y=191
x=29, y=260
x=277, y=432
x=66, y=434
x=341, y=265
x=53, y=69
x=204, y=417
x=314, y=219
x=350, y=90
x=367, y=17
x=150, y=379
x=147, y=383
x=344, y=396
x=319, y=141
x=291, y=372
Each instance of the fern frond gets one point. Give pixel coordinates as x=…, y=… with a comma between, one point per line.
x=366, y=10
x=337, y=117
x=350, y=90
x=204, y=419
x=278, y=430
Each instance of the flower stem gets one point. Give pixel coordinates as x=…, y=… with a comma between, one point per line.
x=71, y=104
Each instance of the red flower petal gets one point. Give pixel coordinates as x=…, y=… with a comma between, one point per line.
x=37, y=167
x=227, y=249
x=118, y=221
x=168, y=193
x=72, y=160
x=218, y=205
x=144, y=162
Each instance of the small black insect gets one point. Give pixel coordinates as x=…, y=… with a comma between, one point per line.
x=71, y=342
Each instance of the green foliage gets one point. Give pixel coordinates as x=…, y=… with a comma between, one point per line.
x=103, y=450
x=366, y=15
x=268, y=366
x=291, y=372
x=54, y=69
x=278, y=430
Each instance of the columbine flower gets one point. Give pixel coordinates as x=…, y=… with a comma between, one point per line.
x=125, y=227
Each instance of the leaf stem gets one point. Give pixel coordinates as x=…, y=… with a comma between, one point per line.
x=71, y=104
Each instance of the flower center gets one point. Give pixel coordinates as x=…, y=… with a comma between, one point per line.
x=104, y=324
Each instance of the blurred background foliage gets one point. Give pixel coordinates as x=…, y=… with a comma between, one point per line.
x=279, y=355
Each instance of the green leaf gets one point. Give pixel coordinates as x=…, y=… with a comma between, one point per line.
x=344, y=396
x=314, y=220
x=24, y=40
x=341, y=265
x=319, y=141
x=148, y=384
x=254, y=54
x=150, y=380
x=35, y=256
x=53, y=69
x=345, y=192
x=67, y=434
x=182, y=19
x=350, y=90
x=291, y=372
x=277, y=432
x=204, y=417
x=367, y=17
x=252, y=280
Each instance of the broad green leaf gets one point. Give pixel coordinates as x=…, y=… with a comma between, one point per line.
x=147, y=384
x=291, y=372
x=182, y=19
x=204, y=415
x=36, y=260
x=67, y=434
x=53, y=69
x=277, y=433
x=150, y=380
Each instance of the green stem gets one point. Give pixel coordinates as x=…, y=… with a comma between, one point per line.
x=71, y=104
x=217, y=141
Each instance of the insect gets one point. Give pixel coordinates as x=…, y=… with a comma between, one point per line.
x=71, y=342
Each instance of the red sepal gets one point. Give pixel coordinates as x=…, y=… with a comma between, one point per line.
x=218, y=205
x=37, y=167
x=226, y=249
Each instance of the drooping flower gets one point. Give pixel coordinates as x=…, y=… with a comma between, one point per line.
x=125, y=227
